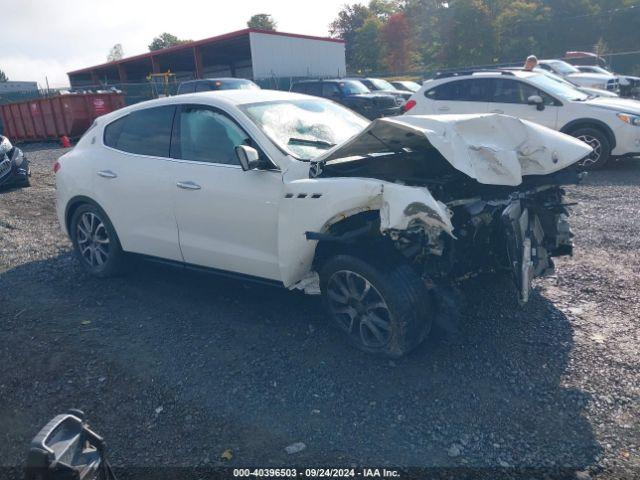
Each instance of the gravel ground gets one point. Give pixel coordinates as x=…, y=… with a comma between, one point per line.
x=174, y=368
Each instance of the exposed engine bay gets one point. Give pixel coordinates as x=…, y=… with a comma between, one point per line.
x=470, y=227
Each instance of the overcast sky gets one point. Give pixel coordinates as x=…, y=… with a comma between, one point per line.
x=41, y=37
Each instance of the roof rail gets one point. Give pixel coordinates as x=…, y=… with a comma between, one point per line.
x=459, y=73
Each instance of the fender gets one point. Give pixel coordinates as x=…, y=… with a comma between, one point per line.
x=74, y=203
x=583, y=122
x=313, y=205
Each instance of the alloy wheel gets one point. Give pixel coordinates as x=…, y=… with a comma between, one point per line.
x=93, y=239
x=594, y=143
x=359, y=308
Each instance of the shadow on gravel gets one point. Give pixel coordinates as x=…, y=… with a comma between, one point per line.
x=254, y=369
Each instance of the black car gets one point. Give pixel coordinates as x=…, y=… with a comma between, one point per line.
x=379, y=85
x=352, y=94
x=14, y=166
x=211, y=84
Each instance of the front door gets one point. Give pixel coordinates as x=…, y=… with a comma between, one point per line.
x=510, y=97
x=227, y=218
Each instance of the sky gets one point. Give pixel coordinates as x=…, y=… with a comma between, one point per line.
x=50, y=38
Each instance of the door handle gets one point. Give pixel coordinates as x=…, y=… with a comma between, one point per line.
x=107, y=174
x=443, y=109
x=497, y=110
x=189, y=185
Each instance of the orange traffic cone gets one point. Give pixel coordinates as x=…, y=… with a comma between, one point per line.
x=65, y=142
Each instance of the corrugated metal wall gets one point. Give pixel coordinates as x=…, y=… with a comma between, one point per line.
x=282, y=56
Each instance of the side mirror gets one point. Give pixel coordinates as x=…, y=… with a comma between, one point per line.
x=537, y=101
x=248, y=157
x=67, y=448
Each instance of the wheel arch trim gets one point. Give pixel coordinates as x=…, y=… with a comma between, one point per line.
x=591, y=123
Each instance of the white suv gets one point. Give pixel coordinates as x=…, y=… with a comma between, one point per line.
x=610, y=125
x=382, y=218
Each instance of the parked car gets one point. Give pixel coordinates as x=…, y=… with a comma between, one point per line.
x=591, y=80
x=380, y=218
x=406, y=85
x=213, y=84
x=380, y=85
x=629, y=85
x=352, y=94
x=609, y=125
x=14, y=166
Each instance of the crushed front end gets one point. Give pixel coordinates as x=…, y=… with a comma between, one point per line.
x=14, y=166
x=464, y=195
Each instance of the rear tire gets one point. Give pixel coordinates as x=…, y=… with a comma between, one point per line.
x=600, y=144
x=384, y=309
x=95, y=242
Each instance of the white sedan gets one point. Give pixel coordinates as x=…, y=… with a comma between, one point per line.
x=382, y=218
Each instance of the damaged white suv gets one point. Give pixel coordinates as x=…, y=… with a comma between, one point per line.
x=298, y=191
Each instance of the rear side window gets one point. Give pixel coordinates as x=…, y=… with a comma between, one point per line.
x=144, y=132
x=470, y=90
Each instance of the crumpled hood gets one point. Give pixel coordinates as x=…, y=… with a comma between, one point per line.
x=625, y=105
x=493, y=149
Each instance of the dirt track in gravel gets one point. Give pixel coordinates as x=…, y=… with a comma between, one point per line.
x=175, y=367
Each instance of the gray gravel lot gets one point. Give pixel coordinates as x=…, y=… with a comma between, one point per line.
x=174, y=367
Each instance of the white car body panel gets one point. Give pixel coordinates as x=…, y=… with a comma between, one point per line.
x=255, y=222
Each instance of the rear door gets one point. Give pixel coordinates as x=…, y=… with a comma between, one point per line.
x=133, y=182
x=458, y=96
x=227, y=218
x=510, y=96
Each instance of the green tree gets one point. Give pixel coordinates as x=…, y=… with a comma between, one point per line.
x=520, y=28
x=369, y=48
x=350, y=19
x=165, y=40
x=467, y=34
x=3, y=77
x=263, y=21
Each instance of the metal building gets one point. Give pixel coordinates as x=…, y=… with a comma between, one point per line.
x=254, y=54
x=17, y=87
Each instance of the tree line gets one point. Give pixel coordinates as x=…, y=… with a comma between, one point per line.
x=399, y=36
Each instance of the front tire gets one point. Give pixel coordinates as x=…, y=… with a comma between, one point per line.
x=382, y=310
x=597, y=140
x=95, y=242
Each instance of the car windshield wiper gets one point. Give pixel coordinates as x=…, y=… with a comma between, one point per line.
x=311, y=143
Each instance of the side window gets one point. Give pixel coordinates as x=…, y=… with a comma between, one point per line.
x=299, y=88
x=544, y=66
x=470, y=90
x=209, y=136
x=203, y=87
x=330, y=90
x=144, y=132
x=314, y=89
x=513, y=91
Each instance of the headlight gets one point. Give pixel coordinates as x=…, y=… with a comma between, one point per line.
x=5, y=145
x=630, y=119
x=18, y=157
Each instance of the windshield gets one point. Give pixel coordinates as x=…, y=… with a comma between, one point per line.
x=305, y=128
x=380, y=84
x=563, y=67
x=353, y=88
x=412, y=86
x=557, y=88
x=236, y=85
